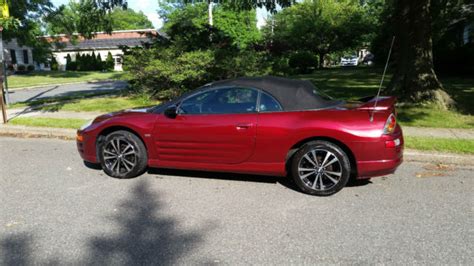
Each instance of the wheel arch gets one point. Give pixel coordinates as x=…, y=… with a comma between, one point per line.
x=339, y=143
x=104, y=132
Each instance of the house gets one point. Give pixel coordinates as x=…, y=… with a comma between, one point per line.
x=16, y=55
x=102, y=44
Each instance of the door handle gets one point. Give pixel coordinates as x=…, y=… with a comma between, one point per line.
x=243, y=126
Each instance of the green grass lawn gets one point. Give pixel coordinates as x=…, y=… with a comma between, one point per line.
x=89, y=103
x=354, y=83
x=464, y=146
x=38, y=78
x=48, y=122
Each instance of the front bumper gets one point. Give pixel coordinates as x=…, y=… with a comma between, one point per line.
x=86, y=147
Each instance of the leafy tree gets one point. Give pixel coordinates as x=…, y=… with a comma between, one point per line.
x=188, y=57
x=128, y=19
x=67, y=19
x=321, y=27
x=84, y=17
x=188, y=29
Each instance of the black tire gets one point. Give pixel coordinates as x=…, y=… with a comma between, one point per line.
x=309, y=182
x=132, y=157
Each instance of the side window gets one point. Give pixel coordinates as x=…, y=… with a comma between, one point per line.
x=269, y=104
x=25, y=57
x=194, y=104
x=13, y=56
x=221, y=101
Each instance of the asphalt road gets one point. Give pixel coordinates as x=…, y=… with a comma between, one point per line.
x=21, y=95
x=54, y=210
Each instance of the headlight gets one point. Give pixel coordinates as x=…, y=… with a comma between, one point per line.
x=86, y=125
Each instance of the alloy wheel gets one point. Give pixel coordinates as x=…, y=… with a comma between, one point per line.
x=119, y=156
x=320, y=169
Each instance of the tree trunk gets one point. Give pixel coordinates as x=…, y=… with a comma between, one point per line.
x=414, y=79
x=321, y=60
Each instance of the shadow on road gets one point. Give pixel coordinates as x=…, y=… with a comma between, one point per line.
x=16, y=250
x=145, y=236
x=284, y=181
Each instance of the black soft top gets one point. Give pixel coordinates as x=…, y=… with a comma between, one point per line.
x=291, y=93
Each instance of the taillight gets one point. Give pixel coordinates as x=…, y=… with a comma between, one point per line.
x=390, y=125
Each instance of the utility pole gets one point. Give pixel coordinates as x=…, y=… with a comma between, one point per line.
x=2, y=102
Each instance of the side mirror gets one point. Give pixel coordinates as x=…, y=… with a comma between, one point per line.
x=171, y=112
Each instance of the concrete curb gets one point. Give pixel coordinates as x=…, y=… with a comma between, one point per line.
x=437, y=157
x=70, y=134
x=67, y=83
x=37, y=132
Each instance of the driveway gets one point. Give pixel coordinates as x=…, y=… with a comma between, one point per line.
x=54, y=210
x=22, y=95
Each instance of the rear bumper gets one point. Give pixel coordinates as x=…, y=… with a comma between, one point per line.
x=380, y=158
x=370, y=169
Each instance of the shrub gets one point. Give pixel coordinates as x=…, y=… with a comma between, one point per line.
x=109, y=62
x=68, y=62
x=30, y=68
x=163, y=73
x=232, y=63
x=303, y=62
x=72, y=66
x=54, y=64
x=100, y=63
x=21, y=68
x=10, y=67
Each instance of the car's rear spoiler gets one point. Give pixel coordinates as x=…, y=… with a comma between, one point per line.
x=383, y=103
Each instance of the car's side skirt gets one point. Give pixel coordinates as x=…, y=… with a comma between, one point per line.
x=273, y=169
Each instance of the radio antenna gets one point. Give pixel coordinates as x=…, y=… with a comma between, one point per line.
x=381, y=81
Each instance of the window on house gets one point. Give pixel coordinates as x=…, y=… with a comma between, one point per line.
x=13, y=56
x=25, y=57
x=118, y=60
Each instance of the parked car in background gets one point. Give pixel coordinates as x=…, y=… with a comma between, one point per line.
x=267, y=126
x=352, y=60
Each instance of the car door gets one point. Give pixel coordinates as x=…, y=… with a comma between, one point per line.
x=213, y=126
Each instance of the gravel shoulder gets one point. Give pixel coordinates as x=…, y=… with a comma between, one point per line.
x=57, y=211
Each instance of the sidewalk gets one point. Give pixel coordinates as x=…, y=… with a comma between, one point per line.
x=28, y=112
x=445, y=133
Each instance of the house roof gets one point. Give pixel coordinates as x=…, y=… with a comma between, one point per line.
x=102, y=40
x=103, y=43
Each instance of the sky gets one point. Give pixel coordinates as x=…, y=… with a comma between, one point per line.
x=150, y=7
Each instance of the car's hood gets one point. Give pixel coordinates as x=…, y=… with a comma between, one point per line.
x=122, y=113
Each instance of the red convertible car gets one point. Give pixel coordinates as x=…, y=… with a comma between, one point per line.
x=266, y=126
